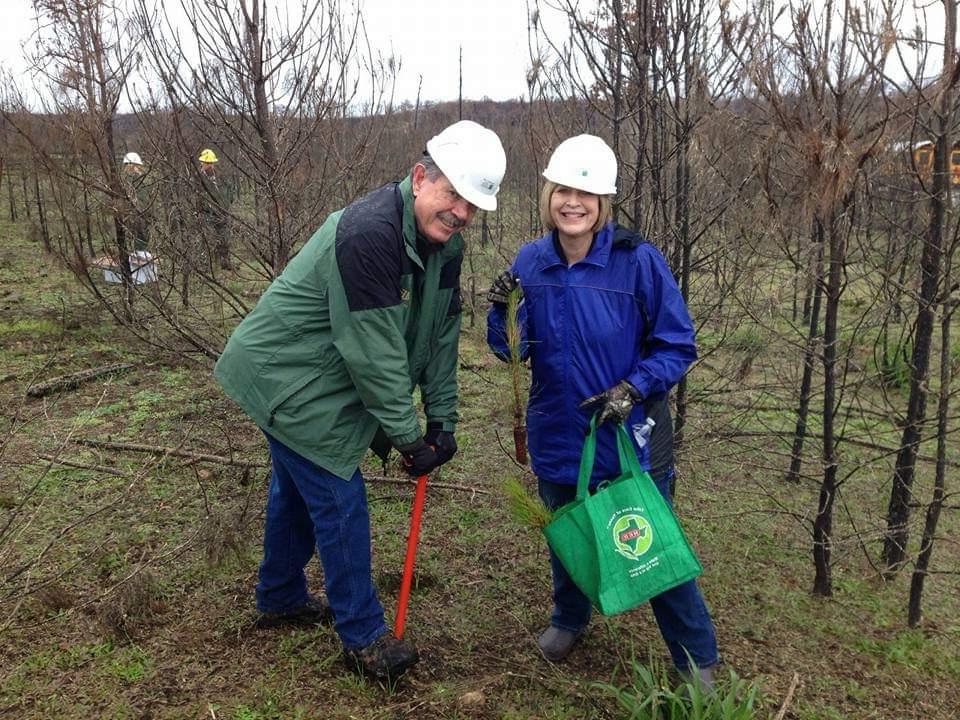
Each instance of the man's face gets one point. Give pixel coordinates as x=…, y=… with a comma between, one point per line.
x=207, y=168
x=438, y=207
x=132, y=169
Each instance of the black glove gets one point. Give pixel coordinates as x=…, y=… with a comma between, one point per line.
x=614, y=403
x=442, y=440
x=501, y=287
x=418, y=457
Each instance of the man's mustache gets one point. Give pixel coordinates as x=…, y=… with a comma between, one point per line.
x=452, y=220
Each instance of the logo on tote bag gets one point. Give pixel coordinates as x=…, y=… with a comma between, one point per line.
x=632, y=536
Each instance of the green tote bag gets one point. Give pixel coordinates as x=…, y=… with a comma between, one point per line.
x=621, y=545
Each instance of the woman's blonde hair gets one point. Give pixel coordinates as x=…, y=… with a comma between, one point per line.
x=549, y=187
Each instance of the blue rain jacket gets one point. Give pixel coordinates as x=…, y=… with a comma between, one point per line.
x=617, y=314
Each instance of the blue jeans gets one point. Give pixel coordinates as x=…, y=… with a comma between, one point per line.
x=681, y=613
x=310, y=508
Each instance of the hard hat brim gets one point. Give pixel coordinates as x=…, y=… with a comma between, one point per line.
x=484, y=202
x=472, y=159
x=577, y=184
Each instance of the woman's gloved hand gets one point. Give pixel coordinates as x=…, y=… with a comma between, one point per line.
x=615, y=403
x=501, y=287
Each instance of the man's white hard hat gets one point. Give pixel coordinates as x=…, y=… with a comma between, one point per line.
x=472, y=158
x=584, y=162
x=132, y=158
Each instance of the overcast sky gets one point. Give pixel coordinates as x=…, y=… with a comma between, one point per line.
x=427, y=35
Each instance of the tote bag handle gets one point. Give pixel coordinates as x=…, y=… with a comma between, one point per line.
x=625, y=451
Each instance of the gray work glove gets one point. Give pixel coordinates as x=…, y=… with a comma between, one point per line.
x=615, y=403
x=501, y=287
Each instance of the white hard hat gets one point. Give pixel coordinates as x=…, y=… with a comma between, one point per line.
x=473, y=160
x=584, y=162
x=132, y=158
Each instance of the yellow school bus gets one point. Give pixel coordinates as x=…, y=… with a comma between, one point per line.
x=923, y=159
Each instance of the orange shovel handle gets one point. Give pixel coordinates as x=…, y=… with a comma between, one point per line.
x=412, y=540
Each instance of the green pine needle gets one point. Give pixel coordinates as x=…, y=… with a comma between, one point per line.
x=527, y=509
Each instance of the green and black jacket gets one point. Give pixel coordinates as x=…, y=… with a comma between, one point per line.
x=362, y=315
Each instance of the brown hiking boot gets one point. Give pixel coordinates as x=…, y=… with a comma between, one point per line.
x=313, y=612
x=384, y=660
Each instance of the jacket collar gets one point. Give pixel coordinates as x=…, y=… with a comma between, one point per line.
x=551, y=253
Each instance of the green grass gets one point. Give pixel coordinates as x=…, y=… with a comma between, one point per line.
x=647, y=693
x=748, y=340
x=35, y=327
x=130, y=665
x=192, y=532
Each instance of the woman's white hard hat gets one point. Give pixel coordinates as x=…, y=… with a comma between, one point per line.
x=473, y=160
x=584, y=162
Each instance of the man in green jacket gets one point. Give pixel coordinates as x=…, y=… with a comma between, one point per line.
x=326, y=364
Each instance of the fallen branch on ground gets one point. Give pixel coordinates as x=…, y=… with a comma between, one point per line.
x=221, y=460
x=789, y=697
x=174, y=452
x=73, y=380
x=431, y=483
x=83, y=466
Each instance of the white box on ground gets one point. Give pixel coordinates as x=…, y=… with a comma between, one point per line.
x=143, y=268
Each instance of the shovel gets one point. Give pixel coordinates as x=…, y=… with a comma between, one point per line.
x=412, y=540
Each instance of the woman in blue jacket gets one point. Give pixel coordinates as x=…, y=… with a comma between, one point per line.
x=606, y=330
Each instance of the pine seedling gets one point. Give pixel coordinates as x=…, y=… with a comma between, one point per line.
x=516, y=370
x=527, y=509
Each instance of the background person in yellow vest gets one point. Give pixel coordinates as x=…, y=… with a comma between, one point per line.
x=213, y=204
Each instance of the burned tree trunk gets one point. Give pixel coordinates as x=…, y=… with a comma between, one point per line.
x=823, y=523
x=809, y=357
x=898, y=510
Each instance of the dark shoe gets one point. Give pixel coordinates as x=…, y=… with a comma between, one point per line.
x=313, y=612
x=384, y=660
x=704, y=677
x=556, y=643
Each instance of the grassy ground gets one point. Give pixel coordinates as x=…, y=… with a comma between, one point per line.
x=126, y=586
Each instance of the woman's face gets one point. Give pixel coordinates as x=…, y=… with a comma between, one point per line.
x=574, y=212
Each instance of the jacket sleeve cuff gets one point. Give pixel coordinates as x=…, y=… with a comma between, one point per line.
x=640, y=383
x=442, y=425
x=406, y=439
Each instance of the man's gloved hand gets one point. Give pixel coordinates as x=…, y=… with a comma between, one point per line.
x=442, y=440
x=502, y=286
x=419, y=458
x=614, y=403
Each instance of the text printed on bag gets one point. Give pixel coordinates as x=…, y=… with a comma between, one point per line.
x=639, y=570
